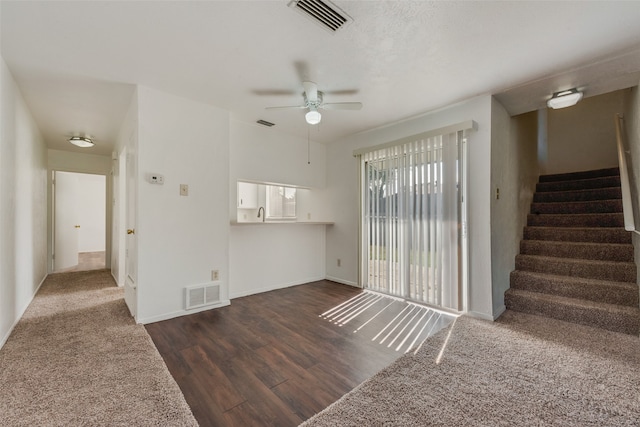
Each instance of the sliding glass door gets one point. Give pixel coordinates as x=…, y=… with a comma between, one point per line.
x=412, y=219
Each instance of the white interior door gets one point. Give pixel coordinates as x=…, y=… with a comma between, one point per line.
x=131, y=261
x=66, y=226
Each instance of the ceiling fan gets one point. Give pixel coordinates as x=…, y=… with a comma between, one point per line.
x=313, y=101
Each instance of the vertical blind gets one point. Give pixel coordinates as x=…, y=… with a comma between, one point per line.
x=412, y=217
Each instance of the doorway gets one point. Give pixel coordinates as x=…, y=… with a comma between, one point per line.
x=79, y=221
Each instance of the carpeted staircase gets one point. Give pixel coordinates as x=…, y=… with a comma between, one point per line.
x=576, y=260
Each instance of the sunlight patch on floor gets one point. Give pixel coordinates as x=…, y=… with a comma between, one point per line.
x=389, y=321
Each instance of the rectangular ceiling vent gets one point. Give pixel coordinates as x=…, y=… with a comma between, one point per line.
x=323, y=12
x=265, y=123
x=202, y=295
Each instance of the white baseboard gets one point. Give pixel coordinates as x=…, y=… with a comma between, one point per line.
x=255, y=291
x=501, y=310
x=180, y=313
x=115, y=279
x=36, y=291
x=484, y=316
x=4, y=339
x=342, y=281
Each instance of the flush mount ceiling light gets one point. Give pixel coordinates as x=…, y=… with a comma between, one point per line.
x=565, y=98
x=81, y=141
x=313, y=117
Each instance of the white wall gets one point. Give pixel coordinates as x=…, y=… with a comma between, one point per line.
x=582, y=137
x=631, y=139
x=69, y=161
x=632, y=148
x=343, y=195
x=272, y=256
x=514, y=171
x=126, y=141
x=23, y=206
x=259, y=153
x=91, y=212
x=180, y=239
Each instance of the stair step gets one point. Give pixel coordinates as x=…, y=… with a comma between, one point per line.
x=579, y=184
x=599, y=206
x=583, y=250
x=607, y=193
x=622, y=293
x=571, y=176
x=577, y=220
x=576, y=261
x=578, y=234
x=588, y=269
x=606, y=316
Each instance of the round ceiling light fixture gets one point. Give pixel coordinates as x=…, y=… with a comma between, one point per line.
x=565, y=98
x=81, y=141
x=313, y=117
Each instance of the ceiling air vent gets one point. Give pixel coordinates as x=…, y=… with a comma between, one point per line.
x=322, y=12
x=265, y=123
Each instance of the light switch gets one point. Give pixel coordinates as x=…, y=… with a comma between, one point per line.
x=184, y=190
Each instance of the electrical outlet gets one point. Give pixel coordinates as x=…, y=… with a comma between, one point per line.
x=215, y=275
x=309, y=215
x=339, y=262
x=184, y=190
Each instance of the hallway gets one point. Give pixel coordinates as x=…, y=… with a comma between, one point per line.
x=77, y=358
x=88, y=261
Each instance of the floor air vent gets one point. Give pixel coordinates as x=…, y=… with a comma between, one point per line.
x=322, y=12
x=202, y=295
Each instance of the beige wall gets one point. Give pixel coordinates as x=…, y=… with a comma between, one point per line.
x=514, y=171
x=582, y=137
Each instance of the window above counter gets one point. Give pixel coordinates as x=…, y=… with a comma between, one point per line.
x=268, y=202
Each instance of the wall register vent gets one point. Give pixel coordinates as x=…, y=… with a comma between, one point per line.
x=202, y=295
x=323, y=12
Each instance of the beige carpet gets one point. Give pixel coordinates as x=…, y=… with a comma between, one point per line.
x=523, y=370
x=78, y=358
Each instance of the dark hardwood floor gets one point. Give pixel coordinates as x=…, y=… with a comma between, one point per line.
x=269, y=359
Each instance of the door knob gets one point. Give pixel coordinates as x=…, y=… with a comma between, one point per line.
x=77, y=226
x=130, y=231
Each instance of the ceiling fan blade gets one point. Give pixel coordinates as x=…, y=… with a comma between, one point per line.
x=341, y=92
x=287, y=107
x=274, y=92
x=311, y=90
x=342, y=106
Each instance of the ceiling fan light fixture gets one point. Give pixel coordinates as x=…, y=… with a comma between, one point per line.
x=313, y=117
x=565, y=98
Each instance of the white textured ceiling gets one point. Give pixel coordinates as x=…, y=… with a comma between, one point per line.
x=76, y=63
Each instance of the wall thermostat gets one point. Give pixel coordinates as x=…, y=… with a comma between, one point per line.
x=155, y=178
